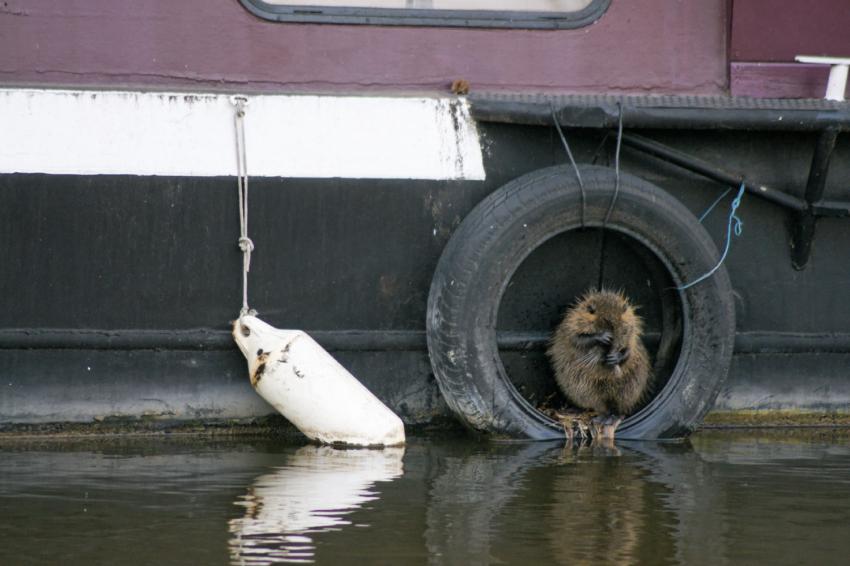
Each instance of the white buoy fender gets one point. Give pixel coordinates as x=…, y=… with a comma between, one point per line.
x=311, y=389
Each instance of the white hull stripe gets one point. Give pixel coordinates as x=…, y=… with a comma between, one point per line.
x=149, y=133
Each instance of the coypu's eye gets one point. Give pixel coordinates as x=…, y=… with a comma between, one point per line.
x=245, y=330
x=591, y=309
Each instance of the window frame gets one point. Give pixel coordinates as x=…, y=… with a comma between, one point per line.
x=427, y=17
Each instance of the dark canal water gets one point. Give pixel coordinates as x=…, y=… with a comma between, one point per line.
x=723, y=498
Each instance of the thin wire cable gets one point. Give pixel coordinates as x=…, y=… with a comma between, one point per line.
x=616, y=167
x=613, y=198
x=573, y=161
x=599, y=147
x=245, y=243
x=738, y=224
x=715, y=203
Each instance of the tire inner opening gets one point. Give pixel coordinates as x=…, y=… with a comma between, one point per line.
x=557, y=274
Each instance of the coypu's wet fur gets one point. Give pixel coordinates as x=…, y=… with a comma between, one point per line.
x=599, y=359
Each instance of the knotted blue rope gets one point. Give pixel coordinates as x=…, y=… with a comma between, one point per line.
x=734, y=223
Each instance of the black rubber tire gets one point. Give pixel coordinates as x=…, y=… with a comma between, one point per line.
x=495, y=238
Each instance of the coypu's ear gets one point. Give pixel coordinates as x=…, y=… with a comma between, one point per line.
x=578, y=300
x=586, y=295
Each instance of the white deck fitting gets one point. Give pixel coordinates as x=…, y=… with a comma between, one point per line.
x=836, y=86
x=159, y=133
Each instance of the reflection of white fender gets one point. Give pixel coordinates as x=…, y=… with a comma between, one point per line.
x=311, y=389
x=314, y=492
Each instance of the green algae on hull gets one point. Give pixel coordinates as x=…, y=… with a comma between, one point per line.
x=773, y=418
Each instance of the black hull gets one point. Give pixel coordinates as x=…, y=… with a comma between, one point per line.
x=118, y=290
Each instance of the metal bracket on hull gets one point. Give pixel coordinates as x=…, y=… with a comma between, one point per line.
x=685, y=161
x=806, y=211
x=804, y=224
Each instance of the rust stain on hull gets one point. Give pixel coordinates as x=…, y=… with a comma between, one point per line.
x=257, y=375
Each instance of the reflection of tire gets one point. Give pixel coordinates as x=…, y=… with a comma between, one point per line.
x=495, y=238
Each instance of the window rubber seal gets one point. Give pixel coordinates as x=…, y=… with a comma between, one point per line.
x=427, y=18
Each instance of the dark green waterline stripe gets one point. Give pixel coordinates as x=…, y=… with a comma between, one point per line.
x=200, y=339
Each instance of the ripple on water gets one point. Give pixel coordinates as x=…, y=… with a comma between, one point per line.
x=724, y=498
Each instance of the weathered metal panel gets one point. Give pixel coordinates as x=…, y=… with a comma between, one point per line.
x=766, y=36
x=43, y=386
x=647, y=46
x=771, y=31
x=779, y=80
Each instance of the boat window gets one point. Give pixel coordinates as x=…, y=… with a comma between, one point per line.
x=549, y=14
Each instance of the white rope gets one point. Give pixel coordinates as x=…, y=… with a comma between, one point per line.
x=245, y=243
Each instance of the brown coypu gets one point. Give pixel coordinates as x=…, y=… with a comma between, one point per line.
x=600, y=362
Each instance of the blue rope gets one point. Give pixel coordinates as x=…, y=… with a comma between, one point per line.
x=733, y=221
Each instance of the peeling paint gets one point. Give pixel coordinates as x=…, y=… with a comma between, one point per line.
x=257, y=374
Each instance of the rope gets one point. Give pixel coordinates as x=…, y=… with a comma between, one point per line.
x=245, y=243
x=573, y=161
x=613, y=198
x=734, y=221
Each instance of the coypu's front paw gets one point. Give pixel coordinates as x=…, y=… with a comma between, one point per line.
x=577, y=424
x=610, y=425
x=603, y=339
x=617, y=357
x=604, y=428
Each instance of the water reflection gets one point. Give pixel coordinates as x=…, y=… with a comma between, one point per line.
x=564, y=505
x=489, y=503
x=723, y=499
x=599, y=508
x=468, y=496
x=314, y=492
x=691, y=496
